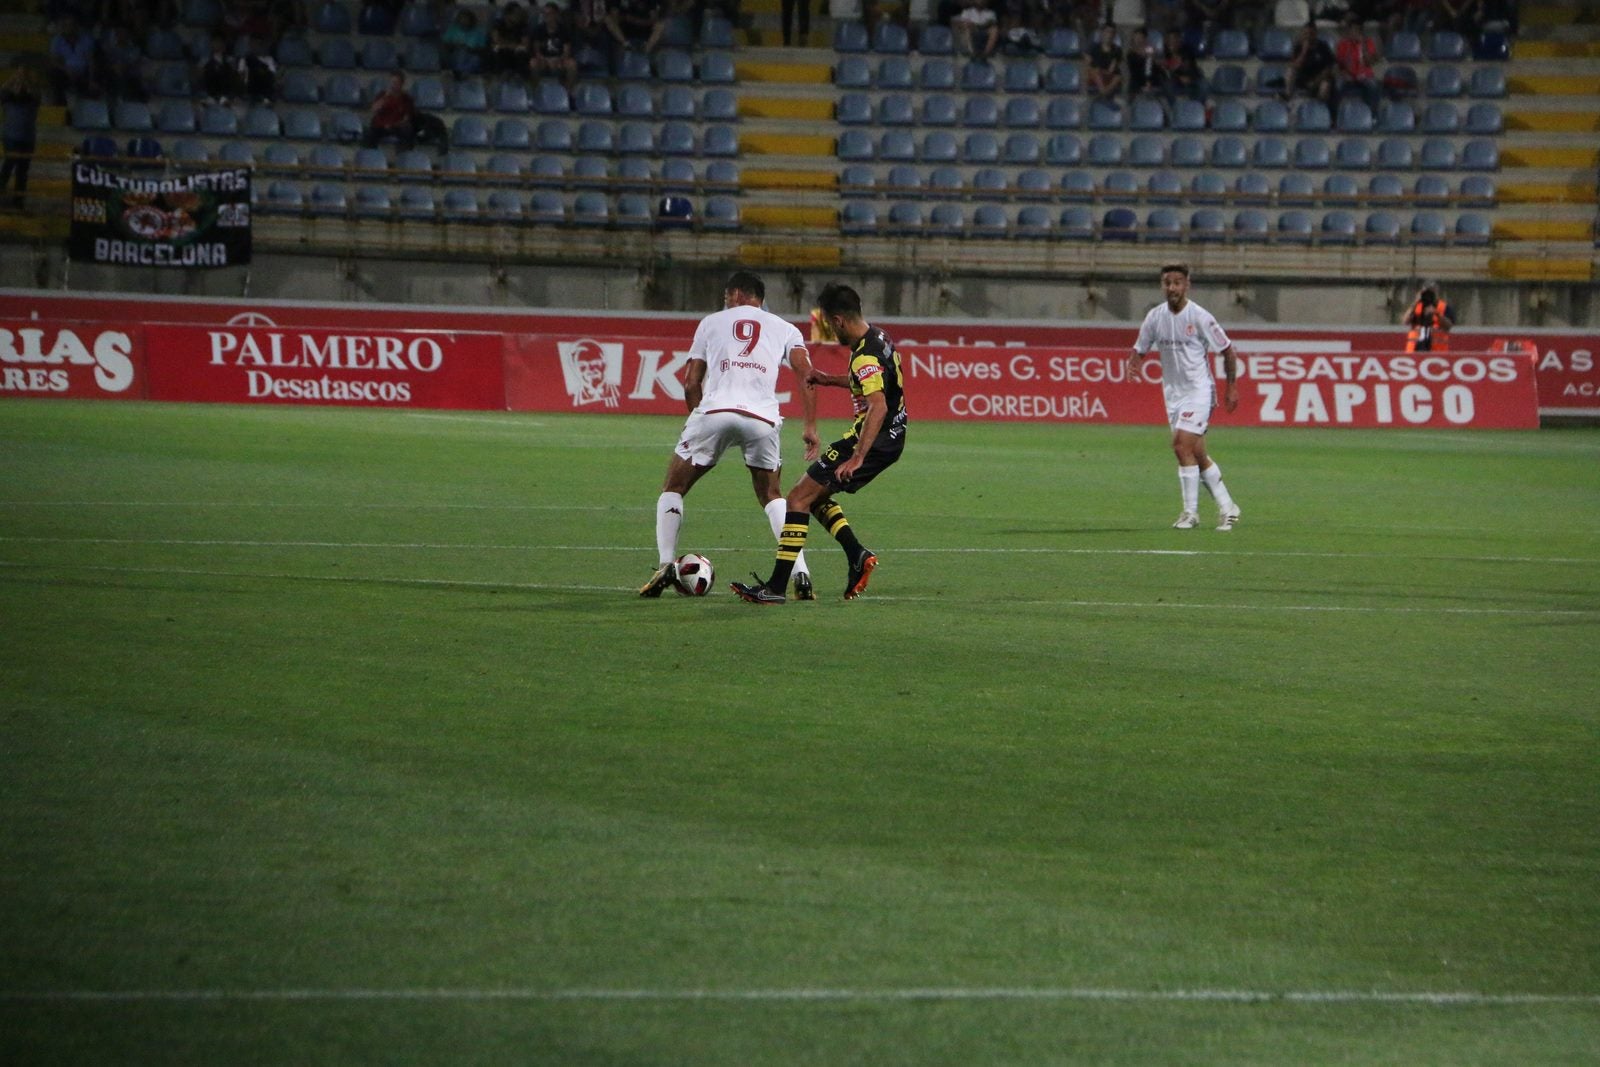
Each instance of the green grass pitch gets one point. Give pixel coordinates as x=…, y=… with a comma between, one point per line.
x=341, y=737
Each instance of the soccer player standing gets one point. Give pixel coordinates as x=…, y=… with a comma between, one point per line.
x=1184, y=333
x=872, y=444
x=730, y=388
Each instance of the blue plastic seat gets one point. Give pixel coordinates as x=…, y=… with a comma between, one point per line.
x=1485, y=120
x=1077, y=185
x=1077, y=223
x=894, y=72
x=1385, y=187
x=1444, y=80
x=1208, y=186
x=1063, y=76
x=1105, y=150
x=553, y=135
x=332, y=17
x=373, y=202
x=939, y=146
x=1147, y=114
x=938, y=109
x=469, y=131
x=677, y=176
x=1230, y=116
x=634, y=66
x=326, y=161
x=853, y=109
x=428, y=94
x=503, y=205
x=1478, y=189
x=297, y=87
x=1164, y=187
x=549, y=97
x=596, y=136
x=720, y=141
x=633, y=101
x=591, y=170
x=1341, y=187
x=1427, y=228
x=1447, y=46
x=980, y=111
x=855, y=145
x=1338, y=228
x=897, y=146
x=1274, y=45
x=903, y=179
x=1270, y=117
x=188, y=150
x=341, y=90
x=1188, y=115
x=1312, y=153
x=1022, y=112
x=1120, y=186
x=945, y=220
x=858, y=217
x=1394, y=153
x=1188, y=152
x=1063, y=113
x=980, y=146
x=499, y=165
x=511, y=97
x=1250, y=224
x=1355, y=116
x=1270, y=152
x=904, y=219
x=512, y=135
x=1271, y=79
x=378, y=54
x=988, y=220
x=674, y=65
x=1480, y=154
x=634, y=211
x=547, y=208
x=1207, y=224
x=721, y=213
x=1430, y=189
x=1063, y=43
x=1252, y=187
x=1105, y=115
x=1163, y=224
x=1147, y=150
x=1229, y=79
x=979, y=77
x=301, y=124
x=1438, y=153
x=1063, y=150
x=133, y=116
x=337, y=53
x=1403, y=47
x=421, y=57
x=891, y=37
x=417, y=20
x=1033, y=184
x=717, y=105
x=852, y=72
x=98, y=146
x=1487, y=83
x=676, y=139
x=280, y=157
x=1296, y=188
x=858, y=179
x=944, y=182
x=328, y=199
x=1119, y=224
x=989, y=182
x=1381, y=227
x=1021, y=149
x=849, y=36
x=591, y=209
x=285, y=196
x=1033, y=223
x=679, y=102
x=239, y=153
x=1228, y=151
x=547, y=170
x=1022, y=76
x=458, y=166
x=1311, y=116
x=896, y=109
x=1440, y=117
x=1395, y=116
x=1230, y=45
x=938, y=74
x=1472, y=229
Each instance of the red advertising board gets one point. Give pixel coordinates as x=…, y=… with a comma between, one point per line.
x=537, y=372
x=361, y=365
x=50, y=359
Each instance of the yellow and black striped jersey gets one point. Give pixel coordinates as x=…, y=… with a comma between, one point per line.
x=875, y=367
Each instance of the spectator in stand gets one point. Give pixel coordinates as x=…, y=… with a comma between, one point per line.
x=508, y=41
x=394, y=114
x=1183, y=76
x=636, y=24
x=551, y=48
x=123, y=63
x=976, y=31
x=465, y=43
x=20, y=133
x=258, y=73
x=1082, y=16
x=1145, y=72
x=1104, y=78
x=72, y=62
x=1312, y=68
x=1356, y=53
x=219, y=74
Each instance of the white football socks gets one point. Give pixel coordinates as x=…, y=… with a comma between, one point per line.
x=776, y=511
x=1189, y=484
x=1212, y=477
x=669, y=517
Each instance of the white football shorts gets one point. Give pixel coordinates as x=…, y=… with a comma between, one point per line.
x=707, y=435
x=1191, y=413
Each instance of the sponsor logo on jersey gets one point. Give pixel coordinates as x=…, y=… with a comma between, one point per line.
x=867, y=373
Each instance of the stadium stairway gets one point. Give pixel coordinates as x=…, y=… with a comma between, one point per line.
x=1550, y=153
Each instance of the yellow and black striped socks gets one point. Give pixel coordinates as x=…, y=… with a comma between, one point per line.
x=831, y=515
x=791, y=542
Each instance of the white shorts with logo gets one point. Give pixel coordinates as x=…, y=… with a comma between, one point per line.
x=708, y=434
x=1191, y=412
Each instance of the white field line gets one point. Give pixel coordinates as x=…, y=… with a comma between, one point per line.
x=550, y=587
x=457, y=546
x=804, y=995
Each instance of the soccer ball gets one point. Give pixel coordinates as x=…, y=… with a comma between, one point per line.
x=694, y=575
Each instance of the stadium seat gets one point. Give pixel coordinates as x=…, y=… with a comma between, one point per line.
x=1230, y=116
x=591, y=209
x=1032, y=223
x=132, y=116
x=1353, y=153
x=1120, y=186
x=280, y=157
x=1338, y=228
x=633, y=101
x=1063, y=76
x=1229, y=45
x=980, y=110
x=1188, y=115
x=594, y=99
x=547, y=170
x=500, y=165
x=1105, y=115
x=896, y=109
x=1063, y=113
x=1147, y=114
x=297, y=87
x=1188, y=152
x=1438, y=153
x=1443, y=80
x=938, y=74
x=676, y=139
x=1354, y=116
x=636, y=138
x=905, y=180
x=945, y=220
x=980, y=147
x=855, y=145
x=852, y=72
x=1394, y=153
x=1228, y=151
x=1208, y=185
x=1341, y=187
x=989, y=182
x=988, y=220
x=512, y=135
x=300, y=124
x=416, y=202
x=511, y=97
x=1296, y=188
x=720, y=140
x=1033, y=184
x=188, y=150
x=897, y=146
x=632, y=66
x=938, y=109
x=1440, y=117
x=1022, y=76
x=1250, y=224
x=849, y=36
x=721, y=213
x=413, y=164
x=1446, y=46
x=1480, y=154
x=1487, y=83
x=1119, y=224
x=1430, y=189
x=591, y=171
x=1385, y=187
x=553, y=135
x=1485, y=120
x=503, y=205
x=894, y=72
x=1478, y=189
x=1022, y=112
x=326, y=161
x=332, y=17
x=240, y=153
x=1472, y=229
x=1270, y=79
x=1270, y=116
x=337, y=53
x=1311, y=153
x=1403, y=47
x=378, y=54
x=1274, y=45
x=1311, y=116
x=1207, y=224
x=1228, y=80
x=1270, y=152
x=1077, y=185
x=634, y=211
x=469, y=131
x=979, y=77
x=372, y=201
x=1163, y=224
x=328, y=199
x=285, y=196
x=1077, y=222
x=1252, y=187
x=858, y=217
x=163, y=45
x=717, y=105
x=1427, y=227
x=1063, y=150
x=547, y=208
x=1063, y=43
x=939, y=146
x=1396, y=117
x=549, y=97
x=1021, y=149
x=595, y=136
x=679, y=102
x=935, y=40
x=674, y=65
x=1147, y=150
x=1381, y=227
x=1105, y=150
x=428, y=93
x=677, y=31
x=904, y=219
x=1164, y=187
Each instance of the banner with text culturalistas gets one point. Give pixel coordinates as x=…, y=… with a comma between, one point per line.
x=191, y=220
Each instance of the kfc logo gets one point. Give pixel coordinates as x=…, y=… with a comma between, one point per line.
x=592, y=371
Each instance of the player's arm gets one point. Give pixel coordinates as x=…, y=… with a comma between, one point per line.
x=800, y=363
x=1230, y=370
x=877, y=411
x=694, y=380
x=1446, y=323
x=817, y=377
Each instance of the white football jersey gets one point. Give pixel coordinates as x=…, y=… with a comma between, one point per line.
x=743, y=347
x=1183, y=340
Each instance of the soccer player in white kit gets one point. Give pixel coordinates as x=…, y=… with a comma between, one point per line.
x=730, y=387
x=1184, y=333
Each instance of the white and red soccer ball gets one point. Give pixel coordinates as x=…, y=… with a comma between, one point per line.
x=694, y=574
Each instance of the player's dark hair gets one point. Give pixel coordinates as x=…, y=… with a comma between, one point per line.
x=747, y=282
x=838, y=299
x=1181, y=268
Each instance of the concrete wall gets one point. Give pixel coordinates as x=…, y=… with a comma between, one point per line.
x=696, y=288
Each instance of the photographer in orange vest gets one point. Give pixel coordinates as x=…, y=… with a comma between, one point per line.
x=1430, y=322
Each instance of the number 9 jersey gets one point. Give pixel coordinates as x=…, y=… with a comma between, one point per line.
x=742, y=348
